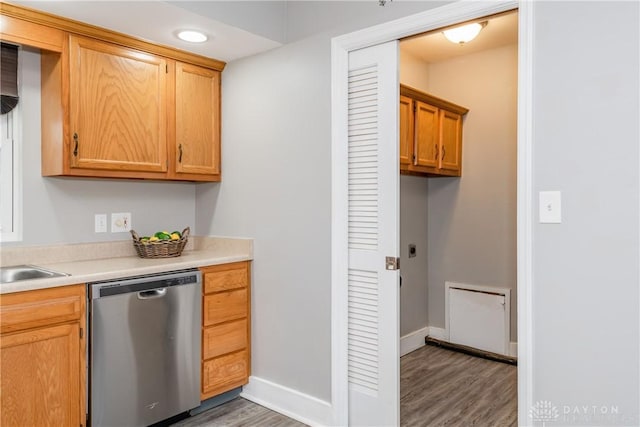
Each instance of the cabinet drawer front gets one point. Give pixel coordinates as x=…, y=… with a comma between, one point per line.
x=224, y=280
x=225, y=338
x=224, y=373
x=31, y=309
x=225, y=306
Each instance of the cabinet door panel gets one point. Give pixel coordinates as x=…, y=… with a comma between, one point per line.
x=427, y=135
x=451, y=140
x=406, y=131
x=197, y=120
x=40, y=377
x=118, y=108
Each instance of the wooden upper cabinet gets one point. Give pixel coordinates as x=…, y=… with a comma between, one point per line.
x=24, y=32
x=436, y=132
x=118, y=108
x=197, y=120
x=406, y=131
x=427, y=135
x=451, y=140
x=114, y=106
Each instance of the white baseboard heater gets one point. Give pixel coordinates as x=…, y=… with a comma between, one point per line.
x=478, y=316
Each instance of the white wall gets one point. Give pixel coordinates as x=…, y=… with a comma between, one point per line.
x=586, y=270
x=61, y=210
x=472, y=219
x=414, y=72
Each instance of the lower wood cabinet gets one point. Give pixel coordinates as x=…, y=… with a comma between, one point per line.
x=226, y=323
x=42, y=357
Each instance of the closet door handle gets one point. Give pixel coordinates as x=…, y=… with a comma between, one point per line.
x=75, y=150
x=180, y=155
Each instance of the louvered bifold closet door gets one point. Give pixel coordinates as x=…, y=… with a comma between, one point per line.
x=373, y=234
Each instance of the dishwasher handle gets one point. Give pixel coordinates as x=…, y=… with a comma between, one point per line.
x=154, y=293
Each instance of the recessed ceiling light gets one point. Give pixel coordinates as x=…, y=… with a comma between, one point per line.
x=465, y=33
x=192, y=36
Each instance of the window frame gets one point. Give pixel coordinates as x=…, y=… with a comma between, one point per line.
x=14, y=120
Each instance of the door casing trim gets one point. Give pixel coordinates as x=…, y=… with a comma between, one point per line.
x=340, y=47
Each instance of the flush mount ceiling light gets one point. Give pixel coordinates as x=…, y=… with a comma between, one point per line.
x=465, y=33
x=192, y=36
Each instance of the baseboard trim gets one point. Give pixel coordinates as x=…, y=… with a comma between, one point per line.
x=442, y=335
x=438, y=333
x=413, y=341
x=292, y=403
x=472, y=351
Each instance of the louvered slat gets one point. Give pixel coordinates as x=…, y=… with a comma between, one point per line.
x=363, y=158
x=363, y=329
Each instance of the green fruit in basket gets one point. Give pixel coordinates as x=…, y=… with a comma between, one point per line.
x=163, y=235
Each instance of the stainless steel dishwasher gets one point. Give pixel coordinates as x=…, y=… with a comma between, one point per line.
x=144, y=348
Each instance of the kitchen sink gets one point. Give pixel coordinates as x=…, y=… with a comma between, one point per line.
x=16, y=273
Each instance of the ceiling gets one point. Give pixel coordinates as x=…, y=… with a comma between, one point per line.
x=243, y=28
x=157, y=21
x=501, y=30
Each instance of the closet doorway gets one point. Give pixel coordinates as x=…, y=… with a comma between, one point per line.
x=458, y=222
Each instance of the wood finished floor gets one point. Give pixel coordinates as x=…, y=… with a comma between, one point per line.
x=438, y=387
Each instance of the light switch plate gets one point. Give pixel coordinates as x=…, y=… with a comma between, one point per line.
x=120, y=222
x=550, y=206
x=100, y=223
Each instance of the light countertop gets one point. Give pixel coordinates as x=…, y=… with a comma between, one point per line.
x=205, y=251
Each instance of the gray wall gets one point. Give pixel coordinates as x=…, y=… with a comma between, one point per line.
x=276, y=132
x=586, y=270
x=413, y=222
x=413, y=229
x=472, y=219
x=61, y=210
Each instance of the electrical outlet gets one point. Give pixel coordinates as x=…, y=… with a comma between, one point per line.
x=100, y=223
x=412, y=250
x=120, y=222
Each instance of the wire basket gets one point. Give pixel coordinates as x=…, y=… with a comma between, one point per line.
x=160, y=248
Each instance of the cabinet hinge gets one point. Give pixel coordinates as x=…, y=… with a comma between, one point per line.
x=81, y=333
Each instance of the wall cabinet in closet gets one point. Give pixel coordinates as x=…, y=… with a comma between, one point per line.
x=430, y=134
